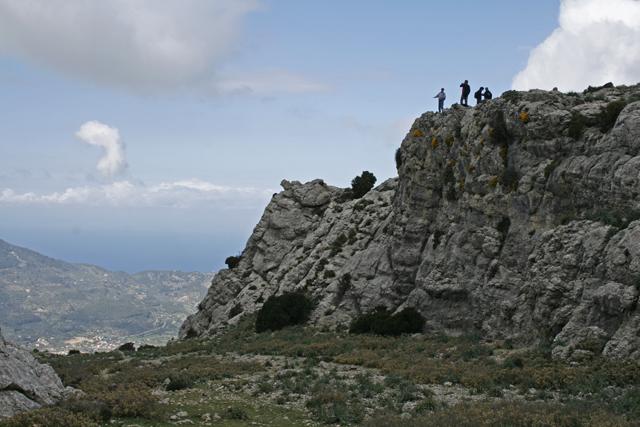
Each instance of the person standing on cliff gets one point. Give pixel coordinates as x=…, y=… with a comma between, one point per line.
x=466, y=90
x=487, y=94
x=478, y=95
x=441, y=97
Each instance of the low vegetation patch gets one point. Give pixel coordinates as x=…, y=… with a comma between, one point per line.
x=382, y=322
x=285, y=310
x=521, y=414
x=609, y=114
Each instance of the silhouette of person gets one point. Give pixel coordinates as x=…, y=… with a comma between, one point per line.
x=487, y=94
x=478, y=95
x=441, y=97
x=466, y=90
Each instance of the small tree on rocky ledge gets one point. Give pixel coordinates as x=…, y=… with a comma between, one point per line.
x=360, y=185
x=232, y=262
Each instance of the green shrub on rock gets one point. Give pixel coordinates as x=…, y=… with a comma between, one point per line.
x=381, y=322
x=282, y=311
x=577, y=124
x=609, y=114
x=360, y=185
x=232, y=262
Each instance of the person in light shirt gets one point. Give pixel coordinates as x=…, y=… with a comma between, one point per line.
x=441, y=97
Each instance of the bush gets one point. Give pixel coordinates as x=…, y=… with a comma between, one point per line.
x=551, y=167
x=592, y=89
x=285, y=310
x=398, y=158
x=609, y=114
x=232, y=262
x=576, y=125
x=360, y=185
x=503, y=227
x=509, y=179
x=500, y=134
x=48, y=417
x=237, y=414
x=381, y=322
x=512, y=96
x=128, y=346
x=448, y=175
x=177, y=384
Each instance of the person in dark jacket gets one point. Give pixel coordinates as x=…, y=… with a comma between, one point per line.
x=466, y=90
x=487, y=94
x=478, y=95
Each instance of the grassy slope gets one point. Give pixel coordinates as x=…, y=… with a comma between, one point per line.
x=301, y=376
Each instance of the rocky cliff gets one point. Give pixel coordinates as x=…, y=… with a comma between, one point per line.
x=25, y=384
x=513, y=219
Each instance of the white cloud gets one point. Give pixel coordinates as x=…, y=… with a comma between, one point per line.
x=597, y=42
x=144, y=46
x=266, y=81
x=113, y=161
x=188, y=194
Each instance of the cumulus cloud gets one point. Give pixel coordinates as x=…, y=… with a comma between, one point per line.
x=185, y=194
x=136, y=45
x=113, y=161
x=597, y=42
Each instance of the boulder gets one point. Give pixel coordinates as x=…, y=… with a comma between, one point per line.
x=26, y=384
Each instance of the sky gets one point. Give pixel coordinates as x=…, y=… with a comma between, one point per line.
x=151, y=134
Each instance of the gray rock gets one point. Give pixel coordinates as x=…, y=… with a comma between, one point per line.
x=25, y=384
x=483, y=231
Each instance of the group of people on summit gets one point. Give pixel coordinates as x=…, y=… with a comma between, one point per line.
x=466, y=90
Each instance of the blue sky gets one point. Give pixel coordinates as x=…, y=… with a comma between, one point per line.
x=139, y=134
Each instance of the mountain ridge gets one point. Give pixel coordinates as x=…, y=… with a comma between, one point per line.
x=515, y=219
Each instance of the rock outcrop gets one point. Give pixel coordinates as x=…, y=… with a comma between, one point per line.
x=25, y=384
x=513, y=219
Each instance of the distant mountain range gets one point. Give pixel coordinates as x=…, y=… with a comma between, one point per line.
x=51, y=304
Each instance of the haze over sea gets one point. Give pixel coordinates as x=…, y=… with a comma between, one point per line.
x=151, y=134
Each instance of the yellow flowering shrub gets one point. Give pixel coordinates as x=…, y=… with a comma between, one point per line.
x=452, y=163
x=417, y=132
x=471, y=167
x=434, y=143
x=449, y=140
x=493, y=181
x=525, y=117
x=503, y=153
x=461, y=184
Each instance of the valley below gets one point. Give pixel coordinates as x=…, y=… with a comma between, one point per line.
x=57, y=306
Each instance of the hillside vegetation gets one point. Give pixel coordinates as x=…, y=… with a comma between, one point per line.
x=45, y=302
x=305, y=376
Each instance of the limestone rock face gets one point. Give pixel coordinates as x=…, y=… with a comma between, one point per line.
x=501, y=222
x=25, y=384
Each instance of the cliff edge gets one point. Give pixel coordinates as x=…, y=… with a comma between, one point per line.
x=515, y=219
